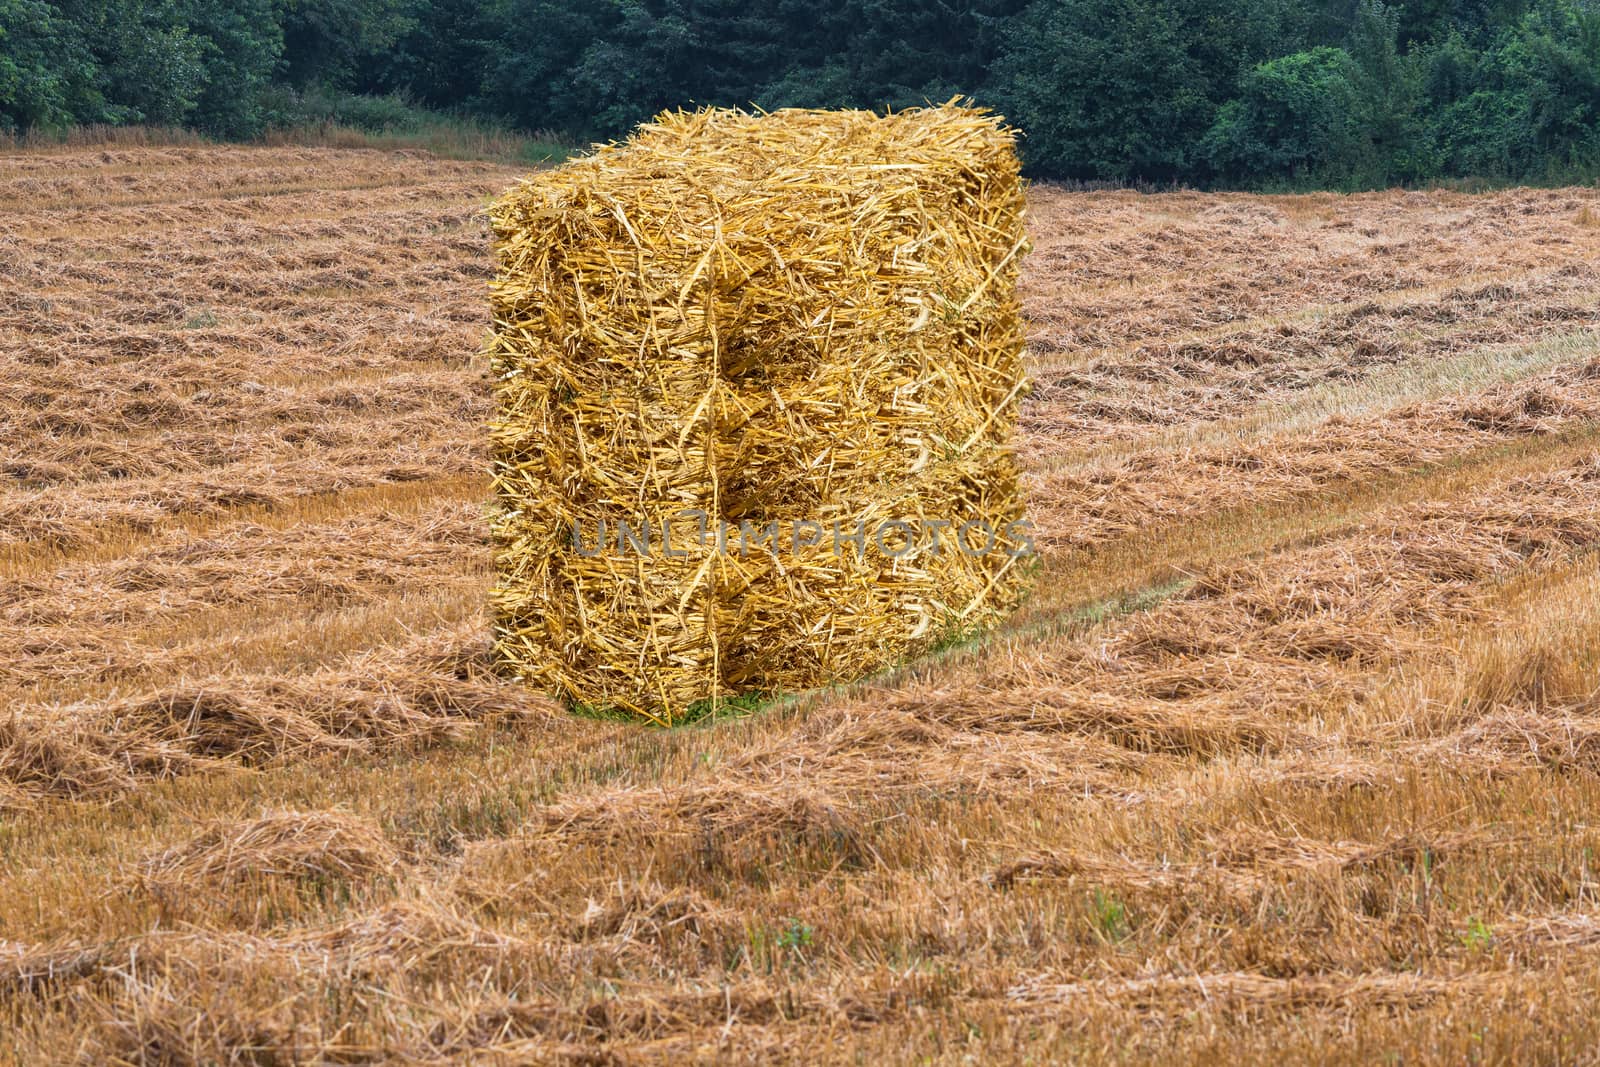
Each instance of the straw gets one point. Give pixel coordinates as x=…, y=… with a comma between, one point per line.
x=794, y=318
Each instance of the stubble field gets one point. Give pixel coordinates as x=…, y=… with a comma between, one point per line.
x=1293, y=754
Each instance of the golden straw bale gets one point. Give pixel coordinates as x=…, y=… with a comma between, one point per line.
x=776, y=359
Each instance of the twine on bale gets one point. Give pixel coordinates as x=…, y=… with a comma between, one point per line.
x=774, y=324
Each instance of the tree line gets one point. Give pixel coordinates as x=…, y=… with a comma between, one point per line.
x=1207, y=92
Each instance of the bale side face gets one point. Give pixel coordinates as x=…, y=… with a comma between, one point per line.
x=806, y=319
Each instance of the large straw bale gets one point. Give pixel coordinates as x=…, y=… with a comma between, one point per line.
x=806, y=318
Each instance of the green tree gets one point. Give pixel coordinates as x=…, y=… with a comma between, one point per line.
x=243, y=43
x=528, y=77
x=1424, y=21
x=654, y=57
x=152, y=62
x=598, y=68
x=440, y=61
x=146, y=63
x=46, y=75
x=1554, y=58
x=1527, y=107
x=332, y=42
x=1294, y=116
x=1390, y=96
x=1126, y=89
x=884, y=53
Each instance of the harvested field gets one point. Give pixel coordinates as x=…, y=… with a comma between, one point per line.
x=1295, y=752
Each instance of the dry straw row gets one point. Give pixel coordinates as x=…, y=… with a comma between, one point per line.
x=804, y=317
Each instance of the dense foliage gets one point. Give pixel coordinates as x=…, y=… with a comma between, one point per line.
x=1346, y=92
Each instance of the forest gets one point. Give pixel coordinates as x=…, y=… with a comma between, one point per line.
x=1209, y=93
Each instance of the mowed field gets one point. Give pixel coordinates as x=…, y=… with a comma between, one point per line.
x=1293, y=754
